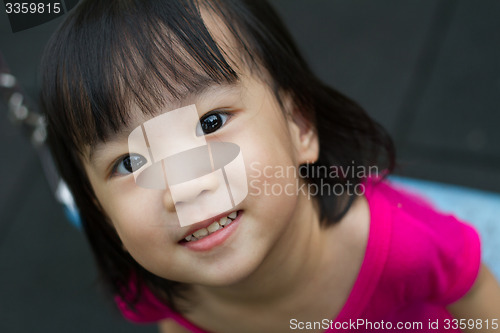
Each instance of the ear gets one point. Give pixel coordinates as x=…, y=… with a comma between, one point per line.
x=304, y=138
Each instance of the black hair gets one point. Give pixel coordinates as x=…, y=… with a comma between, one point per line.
x=108, y=54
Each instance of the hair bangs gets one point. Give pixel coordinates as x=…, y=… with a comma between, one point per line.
x=147, y=55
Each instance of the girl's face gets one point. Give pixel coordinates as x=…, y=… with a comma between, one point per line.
x=248, y=115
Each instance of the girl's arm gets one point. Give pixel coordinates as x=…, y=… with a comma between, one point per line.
x=481, y=304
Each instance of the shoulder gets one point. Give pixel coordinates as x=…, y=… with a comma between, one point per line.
x=431, y=255
x=413, y=218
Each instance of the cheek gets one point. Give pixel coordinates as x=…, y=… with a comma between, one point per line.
x=143, y=236
x=136, y=217
x=269, y=160
x=272, y=175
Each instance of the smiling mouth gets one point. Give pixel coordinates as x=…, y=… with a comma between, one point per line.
x=214, y=227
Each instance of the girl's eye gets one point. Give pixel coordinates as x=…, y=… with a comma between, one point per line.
x=128, y=164
x=211, y=122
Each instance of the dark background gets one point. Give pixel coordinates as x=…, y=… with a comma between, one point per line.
x=428, y=70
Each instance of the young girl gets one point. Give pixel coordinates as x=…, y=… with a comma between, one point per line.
x=311, y=245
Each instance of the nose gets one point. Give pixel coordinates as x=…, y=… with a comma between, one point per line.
x=190, y=191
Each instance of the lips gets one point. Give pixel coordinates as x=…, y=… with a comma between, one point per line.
x=205, y=228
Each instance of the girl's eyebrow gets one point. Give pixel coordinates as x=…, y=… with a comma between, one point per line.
x=207, y=92
x=95, y=150
x=211, y=91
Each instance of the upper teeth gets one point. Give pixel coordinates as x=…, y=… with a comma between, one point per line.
x=200, y=233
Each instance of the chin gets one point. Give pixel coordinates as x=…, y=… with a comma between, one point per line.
x=228, y=272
